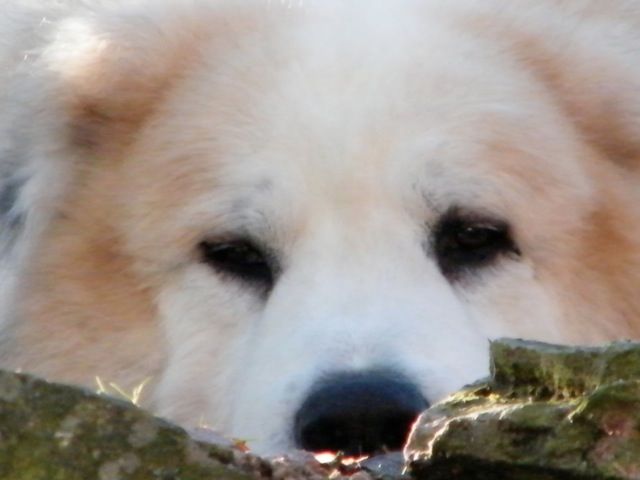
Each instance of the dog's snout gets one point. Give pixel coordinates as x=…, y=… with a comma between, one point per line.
x=358, y=413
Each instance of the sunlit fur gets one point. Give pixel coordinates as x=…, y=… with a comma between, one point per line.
x=337, y=133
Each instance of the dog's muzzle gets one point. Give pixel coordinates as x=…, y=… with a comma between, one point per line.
x=358, y=413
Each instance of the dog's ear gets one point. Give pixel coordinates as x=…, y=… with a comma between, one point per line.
x=80, y=81
x=115, y=68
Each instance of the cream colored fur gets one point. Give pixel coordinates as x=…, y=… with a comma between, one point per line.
x=337, y=132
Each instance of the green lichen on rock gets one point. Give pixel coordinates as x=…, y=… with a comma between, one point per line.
x=557, y=370
x=546, y=413
x=55, y=432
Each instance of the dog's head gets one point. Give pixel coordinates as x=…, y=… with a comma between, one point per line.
x=305, y=220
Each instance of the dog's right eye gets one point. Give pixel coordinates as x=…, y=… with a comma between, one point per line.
x=241, y=259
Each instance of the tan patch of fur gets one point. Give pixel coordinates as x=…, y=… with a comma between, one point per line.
x=595, y=85
x=114, y=92
x=84, y=298
x=84, y=302
x=609, y=265
x=111, y=101
x=596, y=269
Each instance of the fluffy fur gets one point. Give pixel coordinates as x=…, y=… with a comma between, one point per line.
x=337, y=133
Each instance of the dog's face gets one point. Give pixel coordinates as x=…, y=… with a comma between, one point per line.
x=316, y=202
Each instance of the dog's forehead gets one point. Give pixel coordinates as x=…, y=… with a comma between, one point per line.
x=486, y=159
x=365, y=108
x=369, y=119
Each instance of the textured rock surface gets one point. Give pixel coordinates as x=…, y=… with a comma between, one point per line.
x=57, y=432
x=54, y=432
x=546, y=413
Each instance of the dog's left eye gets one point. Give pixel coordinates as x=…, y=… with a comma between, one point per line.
x=462, y=243
x=241, y=259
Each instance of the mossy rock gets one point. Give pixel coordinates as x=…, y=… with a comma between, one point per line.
x=55, y=432
x=546, y=413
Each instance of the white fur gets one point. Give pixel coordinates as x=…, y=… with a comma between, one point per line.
x=337, y=133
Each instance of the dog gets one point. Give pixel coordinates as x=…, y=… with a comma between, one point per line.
x=302, y=222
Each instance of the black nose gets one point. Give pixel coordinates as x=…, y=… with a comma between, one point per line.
x=358, y=413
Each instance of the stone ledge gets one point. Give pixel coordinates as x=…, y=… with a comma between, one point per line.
x=546, y=413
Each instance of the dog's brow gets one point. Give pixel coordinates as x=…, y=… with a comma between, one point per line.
x=251, y=192
x=243, y=218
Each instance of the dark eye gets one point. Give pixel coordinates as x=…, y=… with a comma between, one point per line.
x=464, y=242
x=241, y=259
